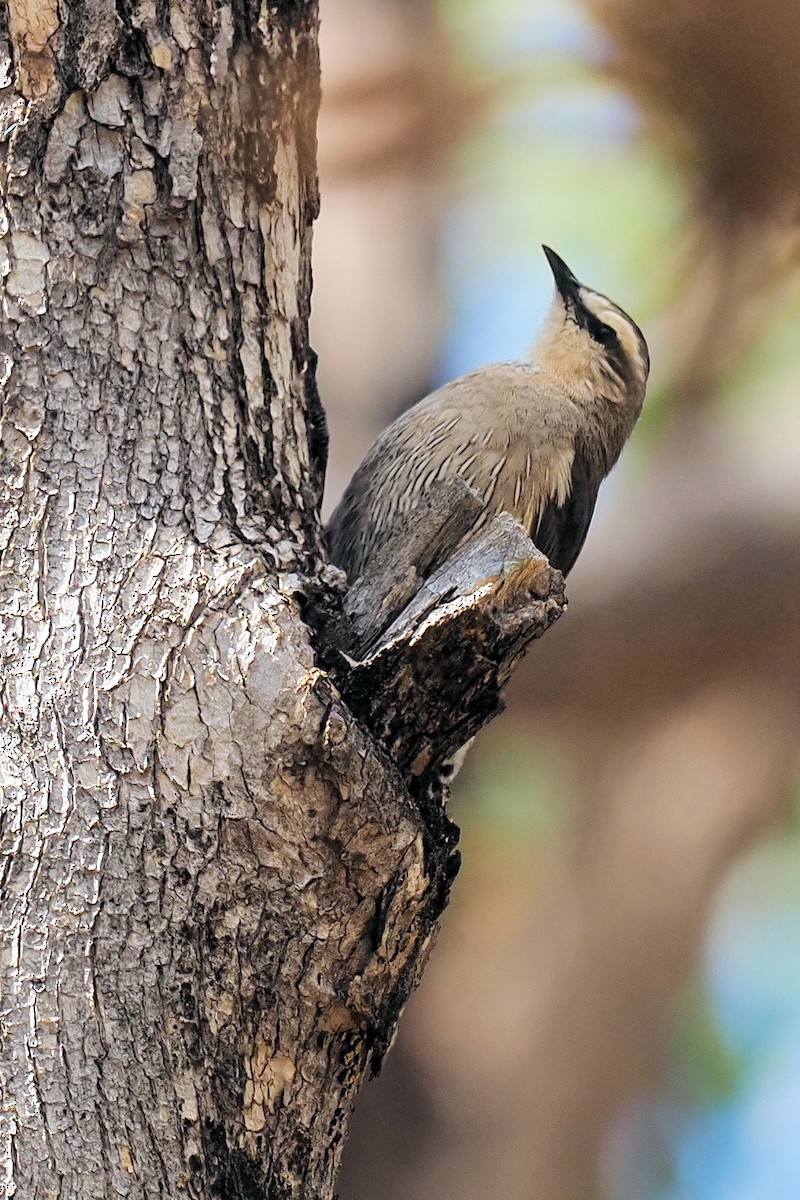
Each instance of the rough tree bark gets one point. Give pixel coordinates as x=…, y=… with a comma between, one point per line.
x=224, y=848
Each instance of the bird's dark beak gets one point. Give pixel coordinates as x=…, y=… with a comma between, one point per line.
x=566, y=282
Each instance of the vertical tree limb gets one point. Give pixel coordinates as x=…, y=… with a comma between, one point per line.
x=217, y=887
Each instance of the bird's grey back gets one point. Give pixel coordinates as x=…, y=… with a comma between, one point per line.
x=502, y=428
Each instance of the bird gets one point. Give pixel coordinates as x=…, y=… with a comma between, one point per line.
x=534, y=437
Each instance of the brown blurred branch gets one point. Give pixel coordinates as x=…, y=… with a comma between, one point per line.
x=404, y=118
x=719, y=85
x=721, y=80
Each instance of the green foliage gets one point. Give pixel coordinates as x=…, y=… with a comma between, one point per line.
x=708, y=1069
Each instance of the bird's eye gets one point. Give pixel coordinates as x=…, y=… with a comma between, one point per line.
x=605, y=335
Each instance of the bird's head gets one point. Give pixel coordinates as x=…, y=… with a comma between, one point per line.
x=590, y=344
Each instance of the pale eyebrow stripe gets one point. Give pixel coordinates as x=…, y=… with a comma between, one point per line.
x=605, y=310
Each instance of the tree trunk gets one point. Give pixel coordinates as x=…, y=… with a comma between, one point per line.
x=218, y=887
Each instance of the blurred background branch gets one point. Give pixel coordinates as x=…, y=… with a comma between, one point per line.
x=614, y=1007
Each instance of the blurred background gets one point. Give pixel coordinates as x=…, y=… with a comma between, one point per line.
x=613, y=1008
